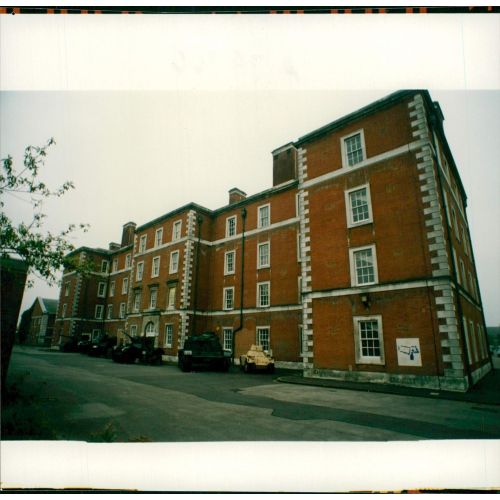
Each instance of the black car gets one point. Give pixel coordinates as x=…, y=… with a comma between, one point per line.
x=103, y=347
x=203, y=350
x=140, y=349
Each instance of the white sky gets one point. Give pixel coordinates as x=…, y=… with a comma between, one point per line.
x=183, y=108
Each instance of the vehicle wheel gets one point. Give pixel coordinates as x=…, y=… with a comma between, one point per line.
x=247, y=368
x=270, y=369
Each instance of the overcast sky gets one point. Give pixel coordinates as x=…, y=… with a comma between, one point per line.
x=152, y=112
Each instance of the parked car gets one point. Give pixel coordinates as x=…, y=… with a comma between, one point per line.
x=203, y=350
x=256, y=359
x=103, y=347
x=69, y=346
x=140, y=349
x=84, y=344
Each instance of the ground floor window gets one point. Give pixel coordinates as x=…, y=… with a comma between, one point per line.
x=150, y=329
x=263, y=337
x=169, y=335
x=368, y=339
x=228, y=339
x=96, y=334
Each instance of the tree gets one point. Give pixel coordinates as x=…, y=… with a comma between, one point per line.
x=42, y=253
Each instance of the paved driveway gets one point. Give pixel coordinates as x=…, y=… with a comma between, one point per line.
x=93, y=399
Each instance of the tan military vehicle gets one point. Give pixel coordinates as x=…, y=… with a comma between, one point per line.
x=256, y=359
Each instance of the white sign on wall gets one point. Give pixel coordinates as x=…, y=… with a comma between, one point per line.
x=409, y=352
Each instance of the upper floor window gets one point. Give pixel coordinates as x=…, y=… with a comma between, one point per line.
x=137, y=301
x=158, y=237
x=64, y=308
x=122, y=310
x=112, y=289
x=124, y=286
x=155, y=268
x=171, y=297
x=110, y=311
x=368, y=340
x=363, y=266
x=229, y=262
x=133, y=330
x=98, y=311
x=101, y=289
x=104, y=266
x=142, y=243
x=66, y=289
x=174, y=262
x=128, y=260
x=115, y=265
x=230, y=226
x=263, y=258
x=263, y=294
x=140, y=271
x=353, y=149
x=153, y=296
x=455, y=223
x=176, y=230
x=464, y=240
x=264, y=216
x=358, y=206
x=228, y=298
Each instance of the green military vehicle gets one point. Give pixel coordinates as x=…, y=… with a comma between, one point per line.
x=203, y=350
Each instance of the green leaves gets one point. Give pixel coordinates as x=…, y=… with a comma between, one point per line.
x=44, y=252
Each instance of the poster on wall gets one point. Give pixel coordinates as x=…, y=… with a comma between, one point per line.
x=409, y=352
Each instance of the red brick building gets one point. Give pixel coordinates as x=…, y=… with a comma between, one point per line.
x=356, y=264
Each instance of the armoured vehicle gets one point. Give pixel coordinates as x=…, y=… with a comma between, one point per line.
x=257, y=359
x=203, y=350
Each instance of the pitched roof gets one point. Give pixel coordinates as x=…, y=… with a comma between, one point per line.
x=48, y=306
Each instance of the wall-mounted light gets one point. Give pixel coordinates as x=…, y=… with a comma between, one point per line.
x=365, y=300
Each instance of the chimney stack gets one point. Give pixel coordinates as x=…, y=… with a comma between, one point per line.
x=128, y=233
x=236, y=195
x=284, y=164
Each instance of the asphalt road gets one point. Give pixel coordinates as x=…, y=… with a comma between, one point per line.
x=89, y=399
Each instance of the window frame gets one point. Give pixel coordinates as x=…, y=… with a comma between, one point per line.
x=169, y=335
x=224, y=298
x=125, y=285
x=101, y=292
x=111, y=291
x=122, y=310
x=228, y=219
x=352, y=262
x=344, y=139
x=143, y=242
x=133, y=330
x=136, y=304
x=171, y=269
x=259, y=218
x=155, y=262
x=177, y=233
x=64, y=310
x=158, y=240
x=170, y=296
x=128, y=261
x=140, y=265
x=96, y=333
x=99, y=310
x=225, y=340
x=67, y=286
x=114, y=266
x=258, y=330
x=349, y=207
x=260, y=285
x=228, y=271
x=104, y=266
x=109, y=312
x=259, y=246
x=153, y=294
x=360, y=358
